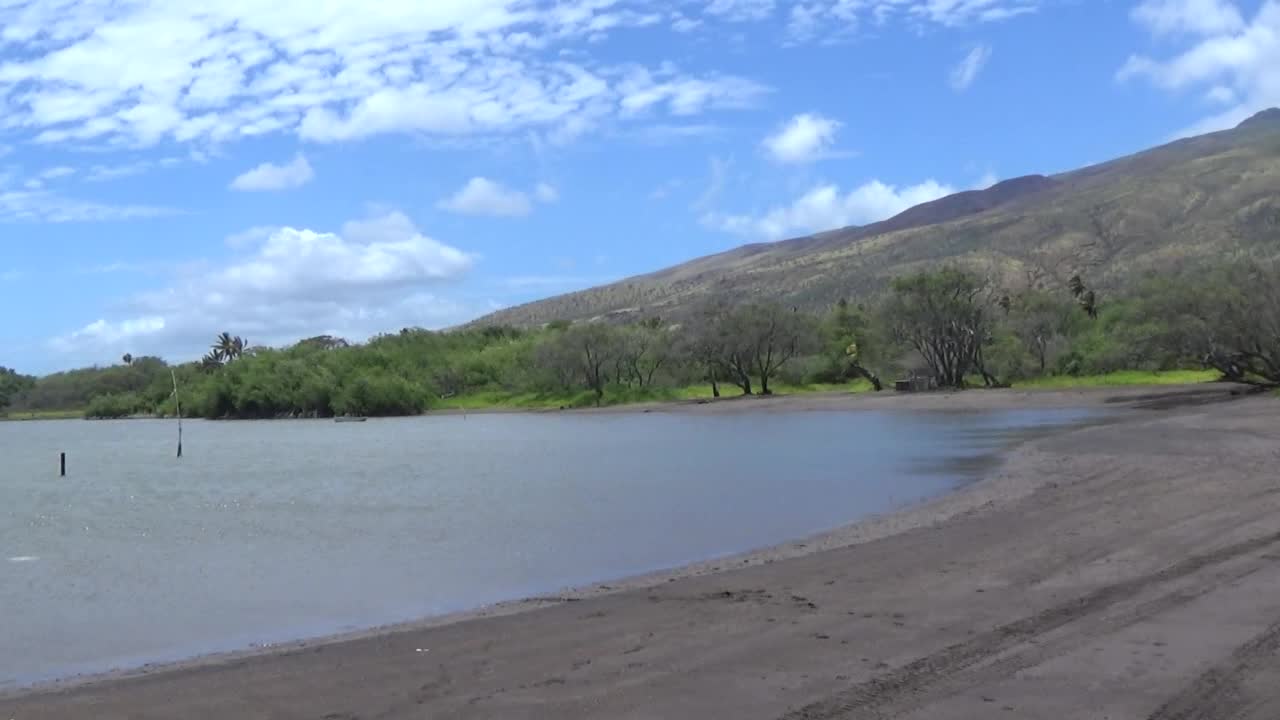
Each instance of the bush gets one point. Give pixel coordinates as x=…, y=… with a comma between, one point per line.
x=381, y=395
x=111, y=407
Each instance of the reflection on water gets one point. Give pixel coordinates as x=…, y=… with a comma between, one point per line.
x=273, y=531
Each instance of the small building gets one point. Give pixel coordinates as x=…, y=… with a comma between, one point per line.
x=915, y=383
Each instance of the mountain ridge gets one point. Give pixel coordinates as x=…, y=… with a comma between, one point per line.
x=1185, y=201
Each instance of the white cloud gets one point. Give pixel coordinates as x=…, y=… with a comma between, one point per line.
x=826, y=207
x=546, y=193
x=642, y=91
x=1235, y=65
x=35, y=204
x=740, y=10
x=377, y=274
x=663, y=134
x=967, y=70
x=683, y=24
x=804, y=138
x=142, y=72
x=1198, y=17
x=101, y=333
x=99, y=173
x=831, y=19
x=269, y=176
x=718, y=178
x=482, y=196
x=54, y=173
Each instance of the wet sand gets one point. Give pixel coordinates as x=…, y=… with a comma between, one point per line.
x=1130, y=569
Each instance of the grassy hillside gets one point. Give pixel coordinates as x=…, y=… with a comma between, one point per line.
x=1192, y=200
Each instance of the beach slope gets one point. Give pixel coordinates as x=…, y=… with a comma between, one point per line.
x=1129, y=569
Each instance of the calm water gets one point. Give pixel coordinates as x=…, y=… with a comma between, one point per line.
x=274, y=531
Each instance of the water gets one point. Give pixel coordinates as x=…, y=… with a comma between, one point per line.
x=267, y=532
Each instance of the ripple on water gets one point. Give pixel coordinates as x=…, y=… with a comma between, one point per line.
x=23, y=559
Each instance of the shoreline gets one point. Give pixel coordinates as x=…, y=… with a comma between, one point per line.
x=922, y=400
x=1127, y=533
x=997, y=485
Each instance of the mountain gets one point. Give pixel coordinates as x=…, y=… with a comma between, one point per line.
x=1189, y=201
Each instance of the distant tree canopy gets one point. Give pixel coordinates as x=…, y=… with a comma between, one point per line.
x=949, y=323
x=1228, y=318
x=12, y=385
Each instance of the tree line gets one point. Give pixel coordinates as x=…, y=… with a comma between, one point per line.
x=947, y=328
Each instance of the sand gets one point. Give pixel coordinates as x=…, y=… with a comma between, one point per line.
x=1129, y=569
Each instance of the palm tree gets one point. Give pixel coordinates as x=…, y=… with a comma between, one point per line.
x=1089, y=301
x=210, y=362
x=227, y=347
x=128, y=359
x=224, y=347
x=1076, y=285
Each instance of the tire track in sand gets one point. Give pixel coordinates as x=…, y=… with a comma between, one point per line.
x=1219, y=693
x=912, y=682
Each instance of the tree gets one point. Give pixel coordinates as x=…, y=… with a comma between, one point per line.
x=128, y=359
x=12, y=385
x=704, y=343
x=1041, y=322
x=1226, y=318
x=643, y=350
x=1086, y=298
x=764, y=337
x=227, y=348
x=320, y=342
x=595, y=347
x=850, y=343
x=946, y=317
x=583, y=353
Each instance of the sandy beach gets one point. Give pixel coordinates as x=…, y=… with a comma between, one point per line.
x=1127, y=569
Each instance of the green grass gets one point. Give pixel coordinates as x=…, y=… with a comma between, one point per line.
x=17, y=415
x=500, y=400
x=1133, y=378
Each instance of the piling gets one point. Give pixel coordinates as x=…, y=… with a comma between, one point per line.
x=62, y=465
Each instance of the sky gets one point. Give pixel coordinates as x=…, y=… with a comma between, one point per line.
x=279, y=169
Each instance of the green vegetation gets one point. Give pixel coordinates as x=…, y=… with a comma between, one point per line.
x=1124, y=378
x=945, y=328
x=12, y=385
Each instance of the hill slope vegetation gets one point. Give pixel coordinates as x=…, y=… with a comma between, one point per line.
x=1193, y=200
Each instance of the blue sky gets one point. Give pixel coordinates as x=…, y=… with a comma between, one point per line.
x=288, y=168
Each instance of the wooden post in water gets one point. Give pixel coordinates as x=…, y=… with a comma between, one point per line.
x=63, y=463
x=177, y=406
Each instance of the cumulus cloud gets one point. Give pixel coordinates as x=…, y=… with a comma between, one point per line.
x=826, y=207
x=482, y=196
x=804, y=138
x=967, y=70
x=140, y=73
x=269, y=176
x=1197, y=17
x=286, y=284
x=104, y=333
x=1231, y=63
